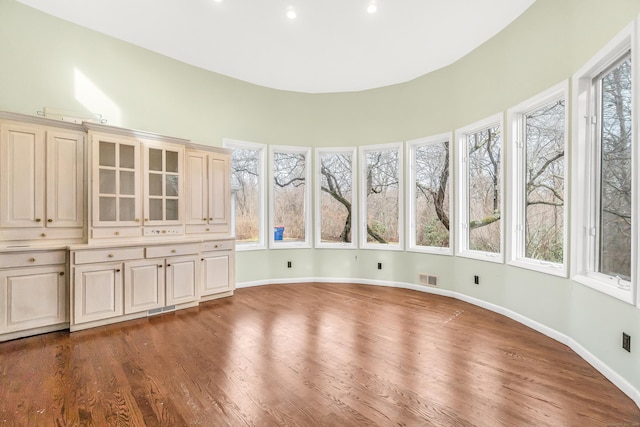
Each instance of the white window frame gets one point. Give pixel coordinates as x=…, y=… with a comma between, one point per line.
x=363, y=150
x=354, y=198
x=307, y=197
x=516, y=182
x=411, y=148
x=262, y=149
x=462, y=190
x=584, y=169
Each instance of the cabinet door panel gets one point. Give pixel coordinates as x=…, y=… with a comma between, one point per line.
x=97, y=292
x=65, y=179
x=143, y=286
x=197, y=196
x=219, y=202
x=22, y=176
x=34, y=297
x=216, y=273
x=182, y=283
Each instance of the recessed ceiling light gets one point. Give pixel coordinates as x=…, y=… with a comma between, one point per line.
x=372, y=8
x=291, y=14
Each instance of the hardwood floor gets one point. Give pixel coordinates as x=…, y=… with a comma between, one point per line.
x=312, y=354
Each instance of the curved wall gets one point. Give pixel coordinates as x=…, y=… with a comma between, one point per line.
x=49, y=62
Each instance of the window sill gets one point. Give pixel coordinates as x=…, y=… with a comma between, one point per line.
x=551, y=268
x=625, y=295
x=483, y=256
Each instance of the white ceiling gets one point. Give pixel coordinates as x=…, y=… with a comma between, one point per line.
x=332, y=45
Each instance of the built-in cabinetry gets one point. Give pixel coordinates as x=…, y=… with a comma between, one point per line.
x=101, y=224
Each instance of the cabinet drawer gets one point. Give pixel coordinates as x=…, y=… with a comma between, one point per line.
x=218, y=245
x=103, y=255
x=172, y=250
x=104, y=233
x=26, y=259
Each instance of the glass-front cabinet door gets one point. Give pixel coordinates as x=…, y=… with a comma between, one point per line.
x=116, y=182
x=163, y=184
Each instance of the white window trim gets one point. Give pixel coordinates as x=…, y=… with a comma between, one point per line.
x=583, y=158
x=411, y=147
x=516, y=177
x=262, y=148
x=462, y=218
x=354, y=198
x=363, y=150
x=307, y=198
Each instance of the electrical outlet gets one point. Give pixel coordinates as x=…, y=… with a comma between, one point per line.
x=379, y=266
x=476, y=280
x=288, y=264
x=626, y=342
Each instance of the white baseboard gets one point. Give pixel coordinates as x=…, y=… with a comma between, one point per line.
x=618, y=380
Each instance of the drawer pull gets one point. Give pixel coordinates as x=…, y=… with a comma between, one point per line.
x=173, y=251
x=49, y=220
x=117, y=233
x=32, y=260
x=38, y=220
x=43, y=235
x=110, y=255
x=215, y=247
x=208, y=229
x=62, y=273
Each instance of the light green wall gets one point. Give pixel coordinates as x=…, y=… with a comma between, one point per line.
x=546, y=45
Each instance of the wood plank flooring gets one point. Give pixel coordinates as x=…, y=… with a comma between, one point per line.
x=310, y=354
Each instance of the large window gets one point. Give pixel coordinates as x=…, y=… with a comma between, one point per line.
x=336, y=222
x=605, y=180
x=247, y=182
x=480, y=190
x=429, y=194
x=290, y=214
x=538, y=232
x=381, y=195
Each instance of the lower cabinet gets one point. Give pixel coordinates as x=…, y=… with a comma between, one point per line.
x=218, y=269
x=97, y=292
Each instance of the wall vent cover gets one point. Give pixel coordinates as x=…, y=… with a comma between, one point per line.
x=427, y=279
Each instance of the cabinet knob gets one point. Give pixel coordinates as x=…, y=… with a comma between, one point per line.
x=210, y=219
x=137, y=219
x=117, y=233
x=43, y=235
x=110, y=255
x=32, y=260
x=159, y=265
x=117, y=270
x=173, y=251
x=146, y=219
x=208, y=229
x=215, y=247
x=62, y=273
x=204, y=219
x=38, y=220
x=168, y=265
x=49, y=220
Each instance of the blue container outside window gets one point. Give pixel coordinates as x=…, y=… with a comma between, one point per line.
x=278, y=233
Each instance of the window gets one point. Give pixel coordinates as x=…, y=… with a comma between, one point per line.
x=247, y=182
x=538, y=231
x=480, y=190
x=381, y=196
x=290, y=214
x=606, y=186
x=335, y=198
x=429, y=194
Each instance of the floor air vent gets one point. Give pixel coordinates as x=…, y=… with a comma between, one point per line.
x=161, y=310
x=427, y=279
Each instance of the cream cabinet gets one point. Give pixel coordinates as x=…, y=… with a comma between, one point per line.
x=163, y=184
x=218, y=269
x=97, y=292
x=209, y=193
x=41, y=182
x=33, y=293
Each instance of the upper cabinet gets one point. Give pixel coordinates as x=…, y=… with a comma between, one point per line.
x=209, y=192
x=41, y=182
x=163, y=184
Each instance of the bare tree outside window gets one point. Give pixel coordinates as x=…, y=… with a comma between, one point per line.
x=289, y=194
x=483, y=151
x=432, y=194
x=245, y=170
x=615, y=171
x=336, y=198
x=382, y=186
x=544, y=182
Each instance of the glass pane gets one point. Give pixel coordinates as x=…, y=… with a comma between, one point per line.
x=155, y=209
x=107, y=208
x=107, y=181
x=245, y=172
x=155, y=159
x=383, y=191
x=155, y=184
x=289, y=191
x=544, y=182
x=432, y=195
x=172, y=186
x=172, y=210
x=483, y=149
x=616, y=176
x=127, y=156
x=172, y=161
x=127, y=183
x=107, y=154
x=127, y=209
x=336, y=197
